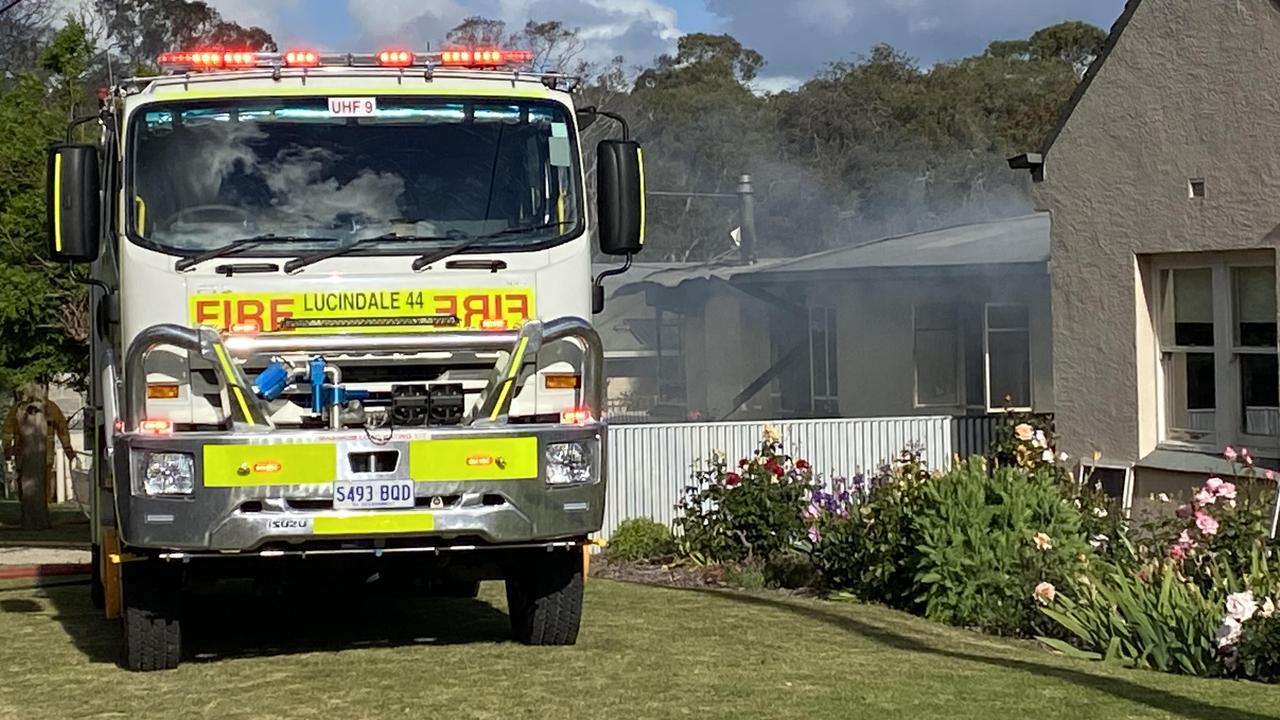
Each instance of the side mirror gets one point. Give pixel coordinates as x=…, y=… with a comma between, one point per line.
x=74, y=203
x=620, y=197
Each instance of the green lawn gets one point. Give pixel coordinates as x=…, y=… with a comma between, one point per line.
x=70, y=526
x=644, y=652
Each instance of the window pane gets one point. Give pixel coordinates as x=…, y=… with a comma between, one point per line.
x=1010, y=369
x=1188, y=308
x=1260, y=394
x=1007, y=317
x=1192, y=394
x=1253, y=291
x=936, y=367
x=975, y=366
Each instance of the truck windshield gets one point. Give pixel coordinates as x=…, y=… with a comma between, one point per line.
x=417, y=171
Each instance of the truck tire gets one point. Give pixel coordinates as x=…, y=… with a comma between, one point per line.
x=152, y=631
x=544, y=599
x=97, y=594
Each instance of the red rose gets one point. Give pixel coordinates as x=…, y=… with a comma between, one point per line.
x=731, y=479
x=775, y=468
x=802, y=464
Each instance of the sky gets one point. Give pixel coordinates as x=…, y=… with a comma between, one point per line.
x=797, y=37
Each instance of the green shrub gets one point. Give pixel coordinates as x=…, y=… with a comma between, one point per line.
x=791, y=571
x=640, y=539
x=988, y=539
x=1258, y=654
x=1151, y=619
x=747, y=514
x=866, y=540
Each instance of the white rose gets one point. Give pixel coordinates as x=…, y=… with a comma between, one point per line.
x=1047, y=456
x=1099, y=512
x=1268, y=608
x=1241, y=606
x=1097, y=541
x=1228, y=632
x=1163, y=497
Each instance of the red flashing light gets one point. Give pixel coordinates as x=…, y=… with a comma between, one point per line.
x=484, y=57
x=156, y=426
x=301, y=58
x=239, y=59
x=575, y=416
x=395, y=58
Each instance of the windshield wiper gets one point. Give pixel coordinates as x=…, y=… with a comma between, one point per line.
x=237, y=246
x=432, y=258
x=302, y=261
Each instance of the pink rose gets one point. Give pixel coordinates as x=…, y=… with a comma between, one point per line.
x=1205, y=497
x=1185, y=540
x=1270, y=475
x=1212, y=484
x=1207, y=523
x=1228, y=491
x=1229, y=454
x=815, y=536
x=1178, y=552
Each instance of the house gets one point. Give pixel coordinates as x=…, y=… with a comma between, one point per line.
x=953, y=321
x=1161, y=181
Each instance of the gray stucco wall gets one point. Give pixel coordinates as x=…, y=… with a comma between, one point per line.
x=1191, y=90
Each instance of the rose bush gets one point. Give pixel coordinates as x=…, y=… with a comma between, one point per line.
x=747, y=513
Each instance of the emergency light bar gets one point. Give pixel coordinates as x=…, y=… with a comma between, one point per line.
x=214, y=59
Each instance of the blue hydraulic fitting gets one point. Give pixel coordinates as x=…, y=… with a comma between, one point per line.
x=271, y=382
x=315, y=370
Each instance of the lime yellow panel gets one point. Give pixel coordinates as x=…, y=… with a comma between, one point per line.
x=474, y=459
x=374, y=523
x=258, y=465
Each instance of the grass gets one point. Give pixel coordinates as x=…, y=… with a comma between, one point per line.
x=70, y=526
x=645, y=652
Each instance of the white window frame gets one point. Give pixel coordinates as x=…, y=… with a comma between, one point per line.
x=957, y=349
x=986, y=357
x=828, y=314
x=1084, y=469
x=1228, y=425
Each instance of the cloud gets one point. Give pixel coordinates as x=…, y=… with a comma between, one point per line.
x=637, y=29
x=800, y=38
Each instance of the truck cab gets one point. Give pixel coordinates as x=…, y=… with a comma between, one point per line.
x=341, y=311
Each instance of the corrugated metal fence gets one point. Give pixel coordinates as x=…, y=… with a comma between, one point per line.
x=649, y=465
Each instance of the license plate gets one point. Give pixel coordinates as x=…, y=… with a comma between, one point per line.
x=369, y=494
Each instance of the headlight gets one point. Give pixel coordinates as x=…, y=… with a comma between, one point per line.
x=569, y=463
x=167, y=473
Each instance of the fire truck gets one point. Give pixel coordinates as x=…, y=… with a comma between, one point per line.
x=339, y=322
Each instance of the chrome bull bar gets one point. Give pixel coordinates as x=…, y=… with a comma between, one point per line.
x=250, y=413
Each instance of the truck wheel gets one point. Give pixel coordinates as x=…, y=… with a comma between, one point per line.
x=544, y=599
x=97, y=594
x=152, y=634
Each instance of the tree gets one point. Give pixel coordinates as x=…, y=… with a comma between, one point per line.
x=478, y=32
x=34, y=290
x=703, y=127
x=139, y=30
x=1075, y=43
x=554, y=45
x=24, y=28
